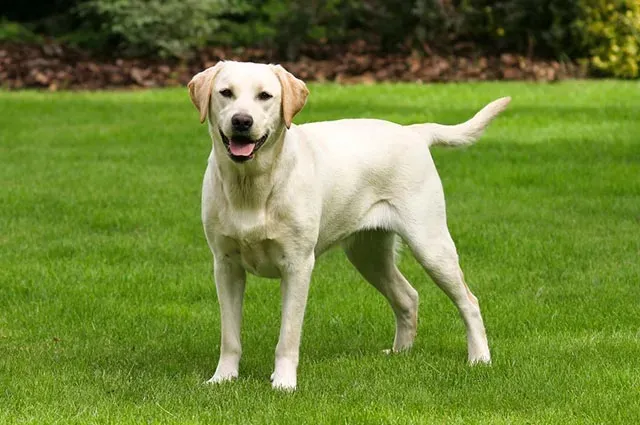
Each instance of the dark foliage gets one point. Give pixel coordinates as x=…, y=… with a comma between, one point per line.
x=605, y=34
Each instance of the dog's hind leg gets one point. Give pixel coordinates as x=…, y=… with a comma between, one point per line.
x=434, y=249
x=372, y=253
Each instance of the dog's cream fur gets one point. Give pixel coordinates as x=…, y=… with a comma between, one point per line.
x=356, y=183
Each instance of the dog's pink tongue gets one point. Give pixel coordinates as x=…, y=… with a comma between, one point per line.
x=241, y=149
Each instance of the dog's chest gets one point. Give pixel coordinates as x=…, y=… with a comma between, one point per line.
x=246, y=238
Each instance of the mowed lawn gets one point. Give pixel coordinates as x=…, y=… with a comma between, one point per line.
x=108, y=313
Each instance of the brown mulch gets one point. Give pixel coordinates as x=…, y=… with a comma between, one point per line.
x=55, y=67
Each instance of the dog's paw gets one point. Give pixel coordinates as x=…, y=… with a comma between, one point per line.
x=393, y=351
x=219, y=378
x=480, y=359
x=283, y=382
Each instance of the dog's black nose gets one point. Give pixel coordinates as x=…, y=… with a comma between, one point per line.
x=241, y=122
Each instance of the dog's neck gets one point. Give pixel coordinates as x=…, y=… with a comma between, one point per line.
x=249, y=184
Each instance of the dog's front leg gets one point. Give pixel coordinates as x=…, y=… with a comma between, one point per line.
x=230, y=282
x=294, y=288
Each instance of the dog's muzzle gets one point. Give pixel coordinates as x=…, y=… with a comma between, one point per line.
x=242, y=148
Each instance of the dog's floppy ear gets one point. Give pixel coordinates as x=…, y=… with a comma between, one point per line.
x=294, y=93
x=200, y=88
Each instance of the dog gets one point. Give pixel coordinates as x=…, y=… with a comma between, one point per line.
x=277, y=195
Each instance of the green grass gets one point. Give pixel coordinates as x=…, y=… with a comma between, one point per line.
x=108, y=312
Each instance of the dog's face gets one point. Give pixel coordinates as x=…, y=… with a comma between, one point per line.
x=247, y=104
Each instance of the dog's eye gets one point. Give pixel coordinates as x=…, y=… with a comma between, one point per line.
x=226, y=93
x=263, y=95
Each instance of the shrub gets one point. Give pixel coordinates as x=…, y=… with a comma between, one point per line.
x=541, y=28
x=13, y=31
x=287, y=25
x=166, y=28
x=605, y=32
x=611, y=33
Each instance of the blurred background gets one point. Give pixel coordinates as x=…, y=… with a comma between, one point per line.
x=58, y=44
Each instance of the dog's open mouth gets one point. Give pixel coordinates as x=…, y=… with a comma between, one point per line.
x=242, y=148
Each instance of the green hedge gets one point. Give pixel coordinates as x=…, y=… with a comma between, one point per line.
x=604, y=33
x=610, y=32
x=148, y=27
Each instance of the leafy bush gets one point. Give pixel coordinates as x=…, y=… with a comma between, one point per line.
x=436, y=22
x=406, y=24
x=540, y=28
x=605, y=32
x=287, y=25
x=13, y=31
x=167, y=28
x=611, y=33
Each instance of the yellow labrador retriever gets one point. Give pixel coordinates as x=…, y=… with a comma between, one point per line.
x=277, y=195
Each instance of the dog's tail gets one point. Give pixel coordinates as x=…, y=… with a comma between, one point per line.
x=465, y=133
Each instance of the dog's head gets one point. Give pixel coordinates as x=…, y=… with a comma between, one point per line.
x=247, y=104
